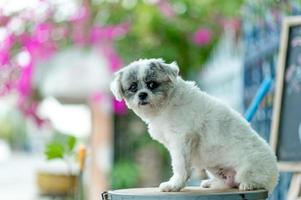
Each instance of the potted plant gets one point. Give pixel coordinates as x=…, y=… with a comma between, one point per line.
x=58, y=177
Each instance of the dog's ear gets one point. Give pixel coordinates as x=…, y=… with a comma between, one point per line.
x=172, y=70
x=116, y=86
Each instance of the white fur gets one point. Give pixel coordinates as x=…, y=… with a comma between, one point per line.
x=115, y=87
x=202, y=132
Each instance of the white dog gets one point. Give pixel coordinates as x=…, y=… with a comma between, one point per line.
x=198, y=130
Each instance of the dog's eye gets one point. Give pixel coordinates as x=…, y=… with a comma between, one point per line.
x=133, y=87
x=152, y=85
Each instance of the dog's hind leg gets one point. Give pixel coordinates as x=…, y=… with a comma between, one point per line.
x=246, y=178
x=214, y=183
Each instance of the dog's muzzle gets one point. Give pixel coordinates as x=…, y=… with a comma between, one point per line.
x=142, y=98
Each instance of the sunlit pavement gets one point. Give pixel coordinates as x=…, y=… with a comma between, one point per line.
x=18, y=177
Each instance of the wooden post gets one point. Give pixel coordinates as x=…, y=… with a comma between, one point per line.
x=295, y=188
x=101, y=149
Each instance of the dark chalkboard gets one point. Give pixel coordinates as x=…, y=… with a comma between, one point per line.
x=286, y=130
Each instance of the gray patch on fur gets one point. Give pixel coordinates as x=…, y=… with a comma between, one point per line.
x=129, y=77
x=150, y=73
x=155, y=72
x=163, y=68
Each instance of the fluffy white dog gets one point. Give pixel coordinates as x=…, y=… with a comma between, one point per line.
x=198, y=130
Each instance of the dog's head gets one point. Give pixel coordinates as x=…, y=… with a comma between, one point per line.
x=145, y=84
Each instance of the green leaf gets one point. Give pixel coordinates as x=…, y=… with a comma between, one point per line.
x=54, y=150
x=71, y=141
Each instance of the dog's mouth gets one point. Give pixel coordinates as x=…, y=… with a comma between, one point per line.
x=143, y=103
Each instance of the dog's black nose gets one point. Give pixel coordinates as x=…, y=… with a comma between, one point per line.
x=142, y=95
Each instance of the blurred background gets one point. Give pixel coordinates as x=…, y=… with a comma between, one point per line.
x=62, y=134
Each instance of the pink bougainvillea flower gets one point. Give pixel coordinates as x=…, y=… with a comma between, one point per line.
x=5, y=47
x=97, y=34
x=4, y=57
x=31, y=45
x=105, y=33
x=45, y=44
x=119, y=107
x=118, y=30
x=24, y=85
x=40, y=44
x=43, y=32
x=121, y=29
x=114, y=60
x=8, y=42
x=202, y=36
x=3, y=20
x=166, y=8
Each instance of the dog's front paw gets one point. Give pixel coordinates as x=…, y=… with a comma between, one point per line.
x=170, y=186
x=248, y=186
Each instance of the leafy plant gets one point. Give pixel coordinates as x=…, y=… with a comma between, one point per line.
x=61, y=147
